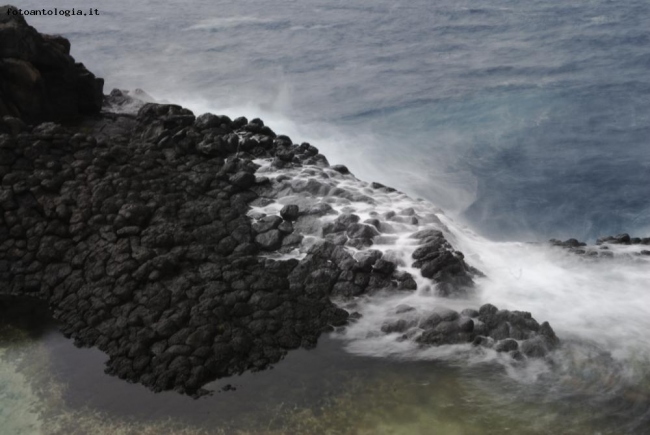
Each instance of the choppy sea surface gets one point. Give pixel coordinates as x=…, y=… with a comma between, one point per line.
x=530, y=119
x=521, y=120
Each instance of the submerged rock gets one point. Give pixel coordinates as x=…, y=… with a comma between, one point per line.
x=602, y=249
x=620, y=239
x=503, y=330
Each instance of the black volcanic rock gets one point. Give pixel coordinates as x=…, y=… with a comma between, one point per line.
x=270, y=240
x=570, y=243
x=601, y=250
x=39, y=80
x=439, y=262
x=243, y=179
x=620, y=239
x=290, y=212
x=502, y=330
x=361, y=231
x=341, y=169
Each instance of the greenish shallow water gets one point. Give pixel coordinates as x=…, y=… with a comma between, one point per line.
x=47, y=386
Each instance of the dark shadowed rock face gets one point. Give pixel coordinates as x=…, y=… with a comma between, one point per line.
x=39, y=80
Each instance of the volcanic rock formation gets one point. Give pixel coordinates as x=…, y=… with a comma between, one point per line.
x=139, y=231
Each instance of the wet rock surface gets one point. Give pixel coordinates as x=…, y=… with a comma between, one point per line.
x=607, y=246
x=514, y=332
x=440, y=262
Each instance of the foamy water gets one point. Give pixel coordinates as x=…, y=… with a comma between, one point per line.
x=601, y=301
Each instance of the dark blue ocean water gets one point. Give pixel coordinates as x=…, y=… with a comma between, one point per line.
x=528, y=120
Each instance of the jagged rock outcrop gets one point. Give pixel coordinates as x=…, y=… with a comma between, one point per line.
x=39, y=80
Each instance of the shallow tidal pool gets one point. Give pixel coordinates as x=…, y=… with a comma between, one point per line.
x=47, y=386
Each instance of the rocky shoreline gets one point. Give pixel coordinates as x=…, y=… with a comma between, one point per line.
x=143, y=232
x=606, y=247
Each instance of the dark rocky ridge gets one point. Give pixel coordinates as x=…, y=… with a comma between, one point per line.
x=39, y=80
x=602, y=247
x=134, y=229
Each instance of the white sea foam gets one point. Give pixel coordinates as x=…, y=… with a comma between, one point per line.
x=600, y=300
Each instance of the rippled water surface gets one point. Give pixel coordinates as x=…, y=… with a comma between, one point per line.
x=522, y=120
x=49, y=387
x=530, y=118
